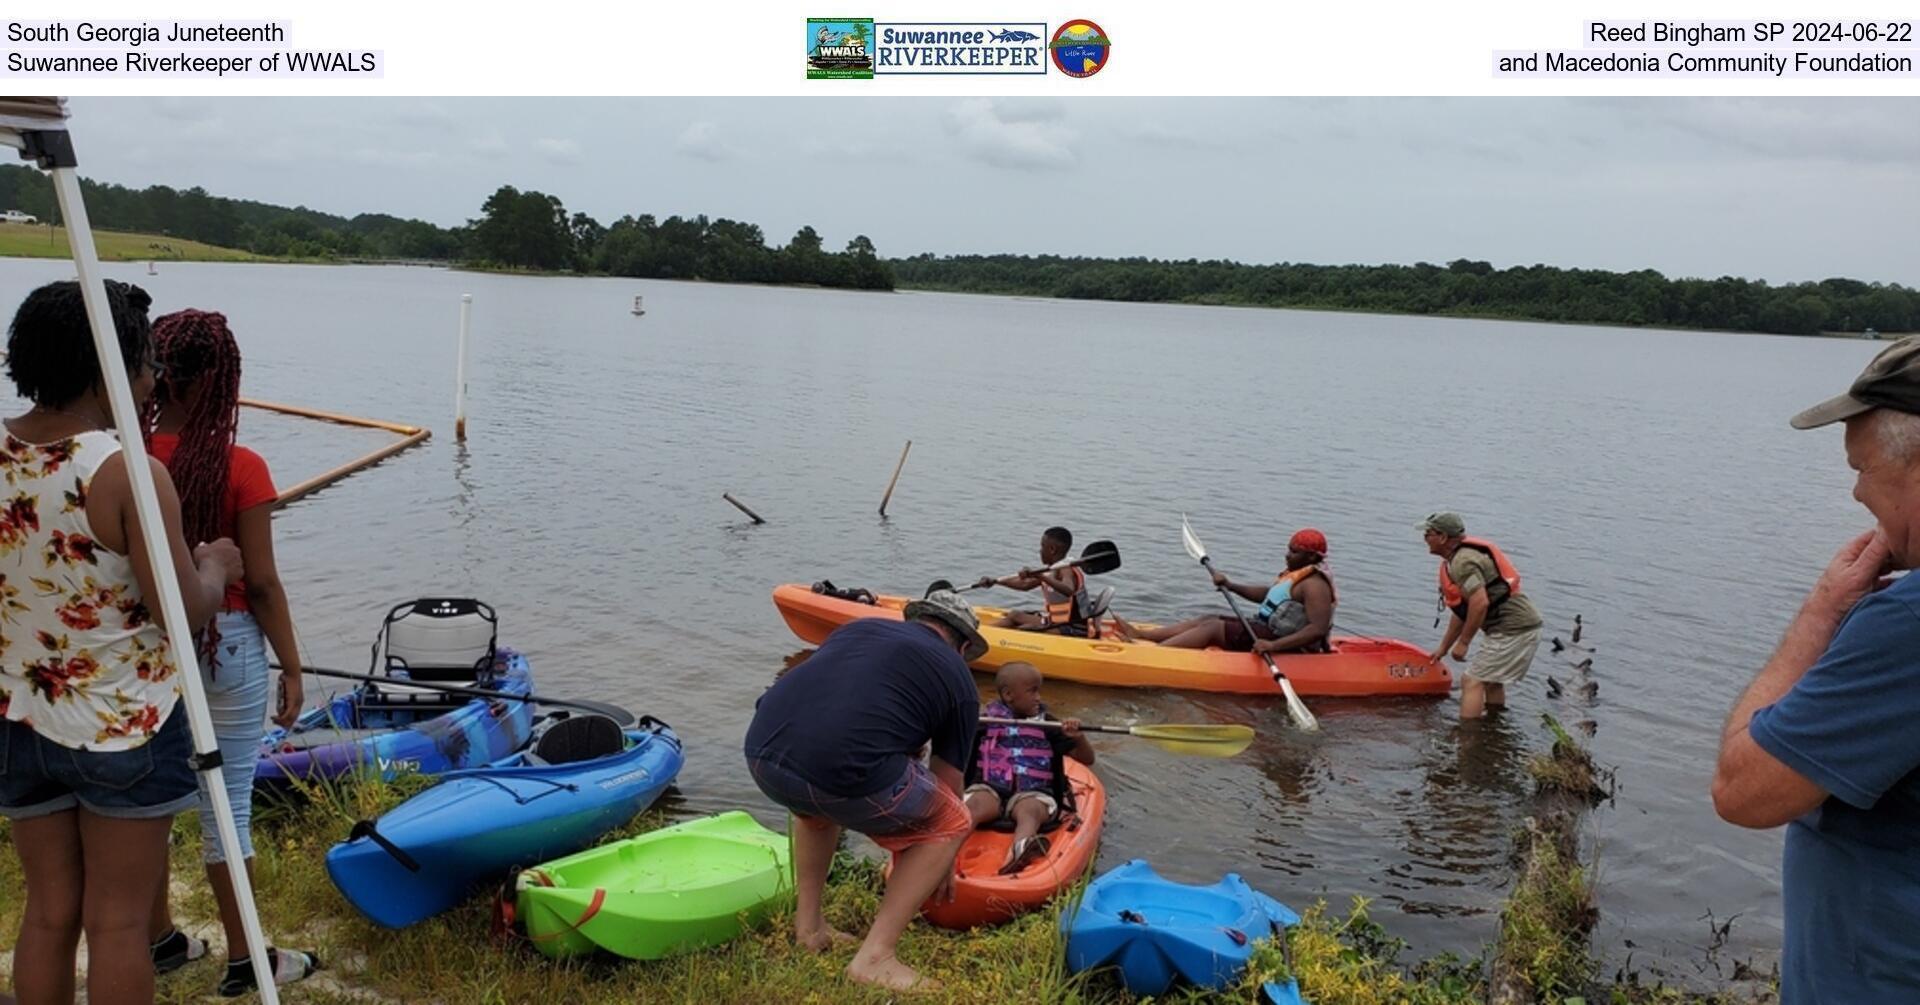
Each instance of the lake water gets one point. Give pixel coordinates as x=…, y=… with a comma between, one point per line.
x=1646, y=481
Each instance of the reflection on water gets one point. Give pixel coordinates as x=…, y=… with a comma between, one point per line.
x=1644, y=480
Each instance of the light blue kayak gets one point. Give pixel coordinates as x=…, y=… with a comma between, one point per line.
x=430, y=852
x=1156, y=931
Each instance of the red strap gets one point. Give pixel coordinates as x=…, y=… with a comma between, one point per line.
x=593, y=908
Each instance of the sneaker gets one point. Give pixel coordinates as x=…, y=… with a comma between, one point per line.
x=174, y=950
x=289, y=965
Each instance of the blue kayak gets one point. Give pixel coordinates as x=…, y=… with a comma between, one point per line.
x=389, y=729
x=427, y=854
x=1155, y=930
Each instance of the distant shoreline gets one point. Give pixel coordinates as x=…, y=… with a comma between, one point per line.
x=33, y=241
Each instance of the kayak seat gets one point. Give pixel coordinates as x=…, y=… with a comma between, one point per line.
x=439, y=639
x=1097, y=608
x=579, y=738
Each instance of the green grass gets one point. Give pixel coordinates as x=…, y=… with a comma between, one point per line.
x=26, y=240
x=458, y=957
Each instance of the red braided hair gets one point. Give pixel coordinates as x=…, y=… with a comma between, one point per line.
x=198, y=346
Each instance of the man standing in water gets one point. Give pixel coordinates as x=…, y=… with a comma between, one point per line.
x=1824, y=739
x=836, y=741
x=1481, y=588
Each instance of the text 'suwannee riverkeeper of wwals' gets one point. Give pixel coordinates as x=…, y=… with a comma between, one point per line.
x=180, y=62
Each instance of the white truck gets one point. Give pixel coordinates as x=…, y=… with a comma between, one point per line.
x=15, y=216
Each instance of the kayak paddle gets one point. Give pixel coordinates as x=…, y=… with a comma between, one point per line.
x=1302, y=716
x=614, y=712
x=1201, y=740
x=1098, y=557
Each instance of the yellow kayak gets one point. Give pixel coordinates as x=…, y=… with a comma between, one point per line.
x=1356, y=667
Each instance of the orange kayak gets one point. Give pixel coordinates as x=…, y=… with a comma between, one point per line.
x=1356, y=667
x=981, y=896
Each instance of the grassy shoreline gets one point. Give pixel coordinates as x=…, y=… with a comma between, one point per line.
x=24, y=240
x=1340, y=955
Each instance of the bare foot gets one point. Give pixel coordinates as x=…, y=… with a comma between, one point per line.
x=889, y=972
x=824, y=938
x=1123, y=631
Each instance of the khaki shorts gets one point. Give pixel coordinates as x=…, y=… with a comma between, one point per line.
x=1503, y=659
x=1006, y=807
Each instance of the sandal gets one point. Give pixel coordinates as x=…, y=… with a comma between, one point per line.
x=1025, y=851
x=289, y=965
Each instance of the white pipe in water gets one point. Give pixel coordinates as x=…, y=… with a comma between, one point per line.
x=460, y=376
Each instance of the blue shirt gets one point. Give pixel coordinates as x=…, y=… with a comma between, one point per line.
x=850, y=717
x=1851, y=874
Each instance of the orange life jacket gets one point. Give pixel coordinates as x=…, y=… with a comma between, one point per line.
x=1066, y=609
x=1498, y=591
x=1294, y=577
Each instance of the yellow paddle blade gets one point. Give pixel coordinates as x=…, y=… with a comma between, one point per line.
x=1203, y=741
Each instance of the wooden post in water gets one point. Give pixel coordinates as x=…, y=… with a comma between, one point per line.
x=460, y=374
x=742, y=507
x=895, y=479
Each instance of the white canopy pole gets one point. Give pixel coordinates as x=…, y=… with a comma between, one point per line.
x=53, y=149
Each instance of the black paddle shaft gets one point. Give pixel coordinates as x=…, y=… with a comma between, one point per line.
x=1098, y=558
x=614, y=712
x=1244, y=623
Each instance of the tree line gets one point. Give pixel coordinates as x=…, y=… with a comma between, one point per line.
x=515, y=230
x=1462, y=287
x=534, y=231
x=259, y=227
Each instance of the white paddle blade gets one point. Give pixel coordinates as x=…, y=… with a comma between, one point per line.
x=1191, y=540
x=1302, y=716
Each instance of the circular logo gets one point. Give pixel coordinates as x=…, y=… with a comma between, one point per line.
x=1079, y=48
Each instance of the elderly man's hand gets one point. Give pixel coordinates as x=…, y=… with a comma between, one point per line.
x=1854, y=572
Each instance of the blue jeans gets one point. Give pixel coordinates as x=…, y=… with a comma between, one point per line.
x=39, y=777
x=237, y=692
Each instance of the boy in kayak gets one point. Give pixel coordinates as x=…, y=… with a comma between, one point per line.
x=1019, y=772
x=1295, y=615
x=1063, y=594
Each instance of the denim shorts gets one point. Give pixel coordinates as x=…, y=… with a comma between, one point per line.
x=39, y=777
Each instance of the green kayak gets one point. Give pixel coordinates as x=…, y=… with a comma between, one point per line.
x=675, y=890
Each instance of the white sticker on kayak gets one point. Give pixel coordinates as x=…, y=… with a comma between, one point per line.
x=637, y=775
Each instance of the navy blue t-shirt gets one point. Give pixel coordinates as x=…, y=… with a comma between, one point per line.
x=1851, y=872
x=850, y=717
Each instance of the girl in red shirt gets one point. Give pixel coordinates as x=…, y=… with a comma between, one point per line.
x=225, y=491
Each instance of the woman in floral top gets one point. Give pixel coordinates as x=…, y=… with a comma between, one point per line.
x=93, y=745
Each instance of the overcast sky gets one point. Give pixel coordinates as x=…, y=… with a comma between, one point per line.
x=1775, y=189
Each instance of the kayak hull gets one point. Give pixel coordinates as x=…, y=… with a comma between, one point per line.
x=983, y=897
x=1357, y=667
x=676, y=890
x=1155, y=931
x=355, y=736
x=476, y=826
